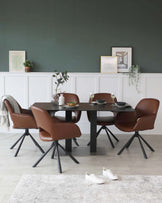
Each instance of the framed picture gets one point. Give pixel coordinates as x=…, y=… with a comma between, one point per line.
x=108, y=64
x=16, y=60
x=124, y=55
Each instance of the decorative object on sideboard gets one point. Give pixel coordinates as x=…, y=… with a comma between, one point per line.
x=28, y=65
x=60, y=79
x=16, y=60
x=124, y=55
x=134, y=76
x=61, y=99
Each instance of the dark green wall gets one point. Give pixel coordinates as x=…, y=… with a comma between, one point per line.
x=73, y=34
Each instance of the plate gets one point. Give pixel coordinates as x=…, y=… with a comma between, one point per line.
x=96, y=103
x=101, y=103
x=122, y=107
x=93, y=102
x=70, y=107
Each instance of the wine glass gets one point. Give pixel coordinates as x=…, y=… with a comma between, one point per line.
x=113, y=97
x=91, y=96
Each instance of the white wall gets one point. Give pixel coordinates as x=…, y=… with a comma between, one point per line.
x=28, y=88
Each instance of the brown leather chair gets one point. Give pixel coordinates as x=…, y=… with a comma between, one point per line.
x=105, y=121
x=52, y=130
x=22, y=120
x=142, y=119
x=70, y=97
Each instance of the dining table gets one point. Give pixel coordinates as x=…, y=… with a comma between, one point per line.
x=83, y=106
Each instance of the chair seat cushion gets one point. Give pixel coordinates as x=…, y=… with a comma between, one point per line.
x=127, y=127
x=44, y=136
x=107, y=120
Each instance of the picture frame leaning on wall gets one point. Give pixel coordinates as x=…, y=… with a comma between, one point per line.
x=16, y=60
x=108, y=64
x=124, y=55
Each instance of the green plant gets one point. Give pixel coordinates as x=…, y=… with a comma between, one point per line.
x=134, y=76
x=60, y=78
x=28, y=63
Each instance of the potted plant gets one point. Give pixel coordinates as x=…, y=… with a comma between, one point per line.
x=28, y=65
x=60, y=79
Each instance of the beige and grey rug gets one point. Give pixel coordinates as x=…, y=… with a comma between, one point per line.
x=75, y=189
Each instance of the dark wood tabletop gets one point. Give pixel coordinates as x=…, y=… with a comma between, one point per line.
x=49, y=106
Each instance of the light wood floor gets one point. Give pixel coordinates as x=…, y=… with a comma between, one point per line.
x=131, y=162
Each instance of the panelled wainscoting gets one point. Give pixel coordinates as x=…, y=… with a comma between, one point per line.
x=28, y=88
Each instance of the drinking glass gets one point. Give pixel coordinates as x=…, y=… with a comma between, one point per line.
x=91, y=96
x=113, y=97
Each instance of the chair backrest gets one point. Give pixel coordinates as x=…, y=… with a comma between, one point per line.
x=106, y=96
x=43, y=119
x=146, y=111
x=147, y=106
x=70, y=97
x=22, y=120
x=10, y=109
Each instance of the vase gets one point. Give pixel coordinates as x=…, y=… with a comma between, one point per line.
x=55, y=99
x=27, y=69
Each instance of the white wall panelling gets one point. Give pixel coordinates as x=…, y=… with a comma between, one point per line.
x=40, y=88
x=16, y=85
x=28, y=88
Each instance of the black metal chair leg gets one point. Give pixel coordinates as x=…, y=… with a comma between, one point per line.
x=69, y=154
x=124, y=146
x=98, y=132
x=43, y=155
x=96, y=135
x=75, y=141
x=109, y=138
x=17, y=141
x=36, y=143
x=112, y=134
x=143, y=150
x=130, y=141
x=19, y=146
x=58, y=157
x=53, y=153
x=147, y=144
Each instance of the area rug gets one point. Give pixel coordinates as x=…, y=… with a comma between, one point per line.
x=75, y=189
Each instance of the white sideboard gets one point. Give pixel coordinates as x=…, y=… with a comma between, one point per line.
x=28, y=88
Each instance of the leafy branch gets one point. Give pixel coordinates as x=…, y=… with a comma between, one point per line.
x=134, y=76
x=60, y=78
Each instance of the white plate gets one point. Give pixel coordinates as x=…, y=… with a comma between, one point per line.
x=66, y=106
x=124, y=106
x=94, y=102
x=101, y=103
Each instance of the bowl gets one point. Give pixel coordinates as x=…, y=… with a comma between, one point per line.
x=121, y=103
x=100, y=101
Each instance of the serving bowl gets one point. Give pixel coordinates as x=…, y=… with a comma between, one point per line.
x=100, y=101
x=121, y=103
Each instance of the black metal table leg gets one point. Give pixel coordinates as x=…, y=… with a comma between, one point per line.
x=68, y=142
x=93, y=131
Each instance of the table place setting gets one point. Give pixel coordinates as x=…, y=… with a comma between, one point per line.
x=70, y=107
x=99, y=102
x=122, y=105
